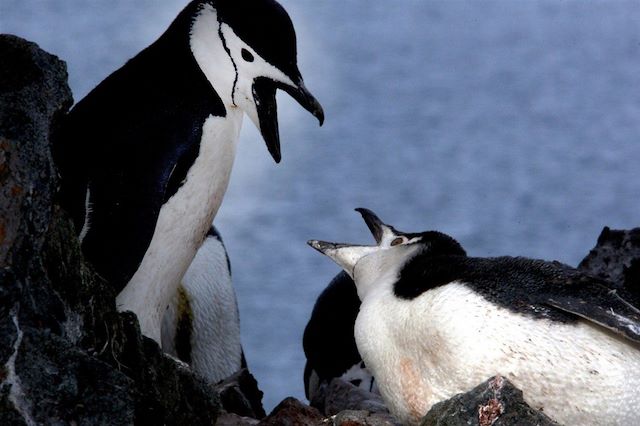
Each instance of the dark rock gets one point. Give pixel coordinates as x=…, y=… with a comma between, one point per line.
x=231, y=419
x=67, y=355
x=33, y=93
x=340, y=395
x=291, y=412
x=363, y=418
x=239, y=394
x=61, y=384
x=616, y=258
x=495, y=402
x=166, y=391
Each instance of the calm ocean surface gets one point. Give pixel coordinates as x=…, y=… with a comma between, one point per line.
x=513, y=126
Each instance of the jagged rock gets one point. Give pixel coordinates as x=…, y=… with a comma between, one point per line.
x=231, y=419
x=616, y=258
x=291, y=412
x=67, y=355
x=349, y=405
x=240, y=395
x=363, y=418
x=33, y=92
x=340, y=395
x=495, y=402
x=45, y=378
x=61, y=384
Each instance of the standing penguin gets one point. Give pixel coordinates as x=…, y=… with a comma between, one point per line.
x=434, y=323
x=328, y=340
x=145, y=158
x=201, y=325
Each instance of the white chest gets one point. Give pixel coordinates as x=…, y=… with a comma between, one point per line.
x=182, y=224
x=450, y=339
x=216, y=352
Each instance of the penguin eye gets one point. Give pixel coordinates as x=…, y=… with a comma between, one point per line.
x=397, y=241
x=246, y=55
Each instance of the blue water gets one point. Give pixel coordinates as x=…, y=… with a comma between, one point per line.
x=512, y=126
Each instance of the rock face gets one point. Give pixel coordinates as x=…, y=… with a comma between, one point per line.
x=616, y=258
x=67, y=355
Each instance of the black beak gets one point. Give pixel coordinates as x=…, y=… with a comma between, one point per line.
x=264, y=95
x=324, y=246
x=305, y=99
x=375, y=225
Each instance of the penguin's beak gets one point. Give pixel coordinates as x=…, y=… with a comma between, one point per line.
x=375, y=225
x=306, y=100
x=382, y=232
x=264, y=95
x=345, y=255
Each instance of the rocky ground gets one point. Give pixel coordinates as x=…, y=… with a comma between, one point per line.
x=67, y=355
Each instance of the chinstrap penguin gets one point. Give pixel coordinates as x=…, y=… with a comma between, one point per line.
x=145, y=157
x=328, y=341
x=435, y=322
x=201, y=326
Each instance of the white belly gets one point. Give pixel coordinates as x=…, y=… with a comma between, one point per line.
x=182, y=225
x=450, y=339
x=216, y=352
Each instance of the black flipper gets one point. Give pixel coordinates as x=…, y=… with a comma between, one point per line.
x=611, y=311
x=537, y=288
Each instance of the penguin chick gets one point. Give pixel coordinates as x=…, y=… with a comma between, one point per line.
x=201, y=326
x=145, y=158
x=434, y=323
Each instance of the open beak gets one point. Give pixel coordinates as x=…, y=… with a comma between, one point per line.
x=382, y=232
x=264, y=95
x=345, y=255
x=306, y=100
x=375, y=225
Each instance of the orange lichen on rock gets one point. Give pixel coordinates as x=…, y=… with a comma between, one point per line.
x=489, y=413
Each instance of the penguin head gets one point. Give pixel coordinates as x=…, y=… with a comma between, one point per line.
x=369, y=266
x=259, y=39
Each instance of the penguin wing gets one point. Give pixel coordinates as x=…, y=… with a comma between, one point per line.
x=120, y=225
x=551, y=290
x=133, y=166
x=127, y=191
x=591, y=299
x=328, y=340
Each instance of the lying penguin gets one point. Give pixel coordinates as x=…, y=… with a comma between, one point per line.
x=201, y=326
x=145, y=158
x=328, y=340
x=435, y=322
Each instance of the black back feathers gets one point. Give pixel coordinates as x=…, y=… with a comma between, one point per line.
x=536, y=288
x=328, y=341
